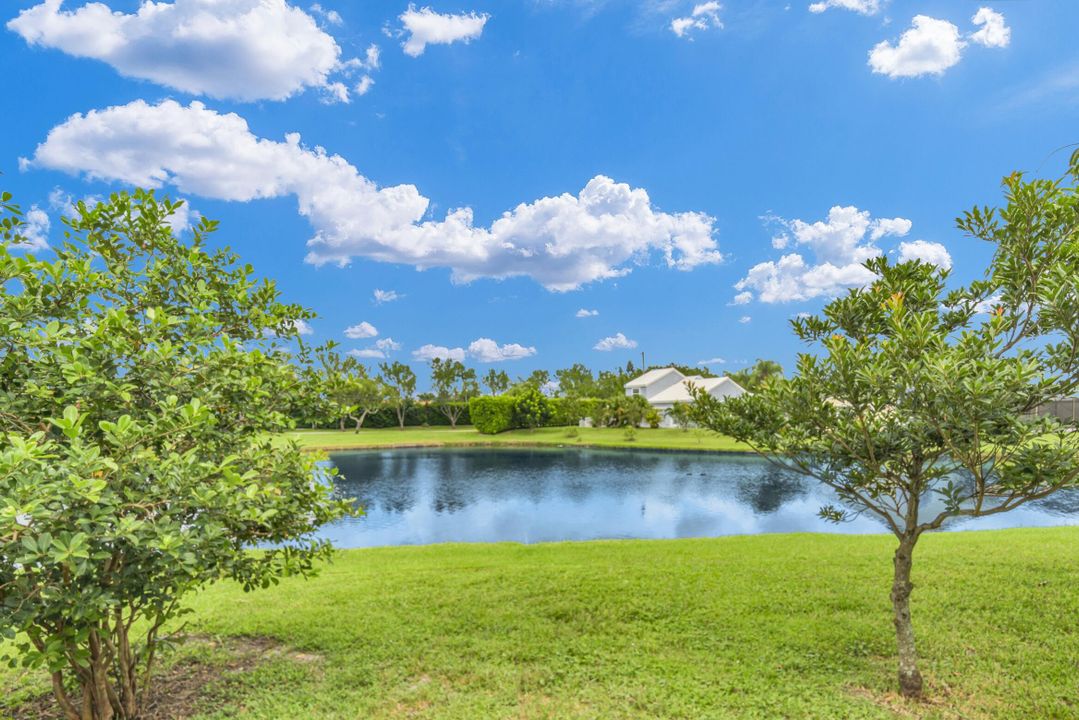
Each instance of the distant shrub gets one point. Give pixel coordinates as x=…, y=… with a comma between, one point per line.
x=682, y=415
x=622, y=411
x=571, y=433
x=570, y=411
x=531, y=409
x=630, y=434
x=652, y=417
x=419, y=415
x=492, y=414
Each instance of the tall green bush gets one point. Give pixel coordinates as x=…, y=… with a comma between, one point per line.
x=531, y=409
x=492, y=414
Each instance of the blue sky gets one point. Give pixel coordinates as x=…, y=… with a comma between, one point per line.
x=676, y=164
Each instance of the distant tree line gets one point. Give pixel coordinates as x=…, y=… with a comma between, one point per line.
x=344, y=393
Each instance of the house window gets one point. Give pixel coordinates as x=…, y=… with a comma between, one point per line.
x=636, y=391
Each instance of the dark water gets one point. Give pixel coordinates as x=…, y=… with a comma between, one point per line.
x=539, y=495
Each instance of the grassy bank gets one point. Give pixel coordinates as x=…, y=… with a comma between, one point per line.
x=660, y=439
x=781, y=626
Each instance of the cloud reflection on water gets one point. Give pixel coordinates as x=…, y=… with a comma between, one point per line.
x=540, y=495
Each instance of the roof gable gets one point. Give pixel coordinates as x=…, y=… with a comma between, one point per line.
x=651, y=376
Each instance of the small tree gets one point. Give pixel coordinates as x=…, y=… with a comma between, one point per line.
x=576, y=381
x=536, y=380
x=400, y=384
x=141, y=382
x=369, y=398
x=611, y=384
x=918, y=409
x=622, y=411
x=454, y=384
x=682, y=415
x=341, y=378
x=497, y=381
x=751, y=378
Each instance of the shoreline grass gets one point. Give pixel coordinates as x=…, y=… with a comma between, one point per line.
x=417, y=437
x=754, y=627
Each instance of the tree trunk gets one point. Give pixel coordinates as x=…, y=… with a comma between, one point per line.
x=910, y=680
x=401, y=417
x=359, y=420
x=341, y=423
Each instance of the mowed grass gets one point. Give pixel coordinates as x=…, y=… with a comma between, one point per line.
x=780, y=626
x=643, y=438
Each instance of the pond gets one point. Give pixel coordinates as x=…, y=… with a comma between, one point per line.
x=541, y=495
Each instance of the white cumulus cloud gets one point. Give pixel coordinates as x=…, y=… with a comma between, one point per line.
x=742, y=298
x=994, y=32
x=238, y=49
x=430, y=352
x=385, y=296
x=928, y=252
x=745, y=319
x=34, y=231
x=562, y=242
x=618, y=341
x=862, y=7
x=585, y=312
x=427, y=27
x=303, y=327
x=360, y=331
x=368, y=354
x=332, y=17
x=364, y=85
x=840, y=244
x=712, y=361
x=382, y=348
x=486, y=350
x=703, y=17
x=930, y=46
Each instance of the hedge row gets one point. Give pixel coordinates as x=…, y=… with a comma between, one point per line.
x=489, y=414
x=492, y=414
x=416, y=416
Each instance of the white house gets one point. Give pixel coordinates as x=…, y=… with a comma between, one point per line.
x=663, y=387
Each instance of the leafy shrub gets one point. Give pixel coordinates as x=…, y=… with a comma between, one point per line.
x=492, y=414
x=570, y=411
x=630, y=434
x=622, y=411
x=682, y=415
x=531, y=409
x=143, y=378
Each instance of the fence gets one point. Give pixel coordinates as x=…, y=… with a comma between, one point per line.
x=1066, y=409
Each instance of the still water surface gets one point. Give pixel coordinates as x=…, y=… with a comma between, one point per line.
x=540, y=495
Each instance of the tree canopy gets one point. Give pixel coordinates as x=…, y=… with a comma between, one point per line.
x=141, y=378
x=400, y=383
x=916, y=408
x=453, y=385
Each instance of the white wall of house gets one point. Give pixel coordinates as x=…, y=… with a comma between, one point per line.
x=664, y=387
x=653, y=382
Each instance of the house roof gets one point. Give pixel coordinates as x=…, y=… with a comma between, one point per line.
x=650, y=377
x=679, y=392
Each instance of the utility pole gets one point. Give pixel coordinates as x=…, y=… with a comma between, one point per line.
x=643, y=366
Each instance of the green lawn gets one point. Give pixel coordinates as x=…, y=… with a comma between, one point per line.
x=780, y=626
x=663, y=439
